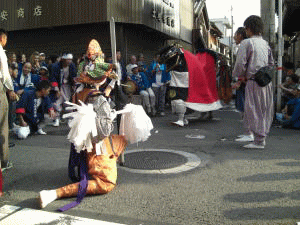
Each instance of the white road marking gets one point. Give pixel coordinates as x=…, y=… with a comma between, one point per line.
x=195, y=136
x=23, y=216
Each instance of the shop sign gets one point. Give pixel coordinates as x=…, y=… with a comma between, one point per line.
x=3, y=15
x=165, y=13
x=20, y=13
x=38, y=11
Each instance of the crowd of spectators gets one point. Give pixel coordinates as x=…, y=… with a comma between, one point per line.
x=43, y=84
x=290, y=98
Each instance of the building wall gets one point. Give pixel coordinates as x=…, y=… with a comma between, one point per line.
x=130, y=39
x=58, y=40
x=73, y=23
x=50, y=13
x=161, y=15
x=142, y=40
x=186, y=20
x=129, y=11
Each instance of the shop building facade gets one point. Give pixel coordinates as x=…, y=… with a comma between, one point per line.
x=59, y=26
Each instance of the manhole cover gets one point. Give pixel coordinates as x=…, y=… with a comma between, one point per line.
x=151, y=160
x=159, y=161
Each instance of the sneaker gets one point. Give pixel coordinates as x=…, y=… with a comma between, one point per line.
x=243, y=135
x=179, y=123
x=56, y=123
x=254, y=146
x=245, y=138
x=41, y=132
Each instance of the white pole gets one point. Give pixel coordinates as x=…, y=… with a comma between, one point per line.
x=113, y=43
x=113, y=40
x=231, y=41
x=280, y=54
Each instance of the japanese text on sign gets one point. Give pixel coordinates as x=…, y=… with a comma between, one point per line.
x=20, y=13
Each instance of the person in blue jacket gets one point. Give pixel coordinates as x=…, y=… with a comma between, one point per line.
x=62, y=76
x=144, y=89
x=33, y=106
x=290, y=118
x=26, y=80
x=159, y=77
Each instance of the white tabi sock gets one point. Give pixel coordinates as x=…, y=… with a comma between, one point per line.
x=47, y=197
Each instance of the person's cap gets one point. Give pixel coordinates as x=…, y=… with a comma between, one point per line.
x=134, y=66
x=43, y=68
x=67, y=56
x=42, y=54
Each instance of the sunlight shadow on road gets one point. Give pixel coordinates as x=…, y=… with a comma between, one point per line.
x=271, y=177
x=262, y=196
x=263, y=213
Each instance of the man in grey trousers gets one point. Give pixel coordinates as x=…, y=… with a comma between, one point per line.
x=6, y=90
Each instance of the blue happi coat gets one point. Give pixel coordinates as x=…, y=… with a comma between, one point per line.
x=27, y=105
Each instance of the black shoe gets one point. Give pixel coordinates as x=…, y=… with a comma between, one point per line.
x=11, y=145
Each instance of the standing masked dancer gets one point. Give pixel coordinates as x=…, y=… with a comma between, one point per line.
x=94, y=150
x=193, y=81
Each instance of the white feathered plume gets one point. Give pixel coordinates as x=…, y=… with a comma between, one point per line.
x=135, y=124
x=82, y=124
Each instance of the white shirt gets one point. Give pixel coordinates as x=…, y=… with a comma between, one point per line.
x=129, y=68
x=5, y=77
x=25, y=81
x=65, y=75
x=158, y=79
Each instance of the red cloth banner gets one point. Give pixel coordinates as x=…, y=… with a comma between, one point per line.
x=202, y=80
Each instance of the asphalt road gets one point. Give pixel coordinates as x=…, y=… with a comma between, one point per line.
x=231, y=185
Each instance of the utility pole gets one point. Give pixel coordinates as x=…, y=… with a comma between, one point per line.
x=268, y=16
x=280, y=54
x=231, y=40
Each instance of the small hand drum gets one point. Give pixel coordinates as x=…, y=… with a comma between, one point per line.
x=130, y=87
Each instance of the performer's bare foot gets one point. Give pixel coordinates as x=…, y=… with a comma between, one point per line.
x=46, y=197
